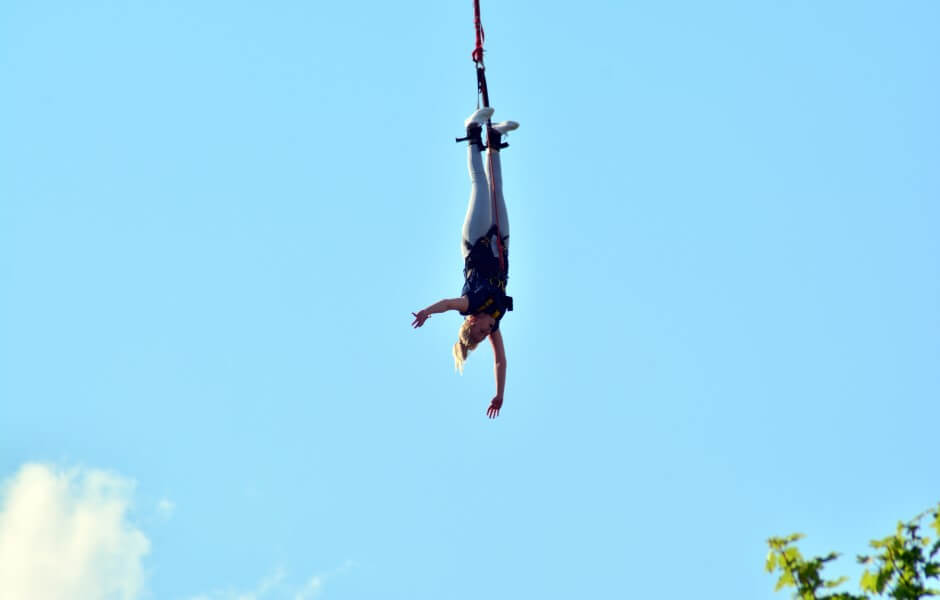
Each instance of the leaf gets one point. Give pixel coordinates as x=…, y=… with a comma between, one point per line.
x=898, y=569
x=771, y=561
x=795, y=537
x=931, y=569
x=869, y=582
x=885, y=575
x=786, y=580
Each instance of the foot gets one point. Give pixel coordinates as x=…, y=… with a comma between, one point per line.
x=505, y=127
x=480, y=117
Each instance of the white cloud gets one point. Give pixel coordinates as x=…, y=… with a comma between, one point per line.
x=65, y=535
x=165, y=508
x=275, y=587
x=272, y=581
x=267, y=585
x=311, y=589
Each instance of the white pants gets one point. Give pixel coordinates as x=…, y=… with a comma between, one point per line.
x=480, y=217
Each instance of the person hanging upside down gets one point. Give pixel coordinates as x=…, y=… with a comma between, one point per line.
x=485, y=246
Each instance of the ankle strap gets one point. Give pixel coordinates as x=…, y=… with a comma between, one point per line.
x=494, y=140
x=474, y=136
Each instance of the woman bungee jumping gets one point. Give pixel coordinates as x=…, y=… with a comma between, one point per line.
x=485, y=247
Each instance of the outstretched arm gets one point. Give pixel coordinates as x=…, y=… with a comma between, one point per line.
x=458, y=304
x=499, y=368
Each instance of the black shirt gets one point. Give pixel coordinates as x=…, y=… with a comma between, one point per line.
x=485, y=280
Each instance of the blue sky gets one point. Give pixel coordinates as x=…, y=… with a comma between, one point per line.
x=216, y=219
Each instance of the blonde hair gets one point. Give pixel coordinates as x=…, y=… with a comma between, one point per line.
x=464, y=345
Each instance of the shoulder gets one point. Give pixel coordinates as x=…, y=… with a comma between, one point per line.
x=460, y=304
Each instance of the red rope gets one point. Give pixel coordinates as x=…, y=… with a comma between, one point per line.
x=477, y=54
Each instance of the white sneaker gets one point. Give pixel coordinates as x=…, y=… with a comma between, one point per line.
x=481, y=116
x=505, y=127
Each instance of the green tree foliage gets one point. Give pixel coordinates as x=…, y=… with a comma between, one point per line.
x=901, y=568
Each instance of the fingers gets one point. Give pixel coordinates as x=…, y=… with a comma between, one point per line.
x=493, y=411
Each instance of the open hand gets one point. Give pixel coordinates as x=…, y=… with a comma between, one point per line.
x=493, y=411
x=420, y=317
